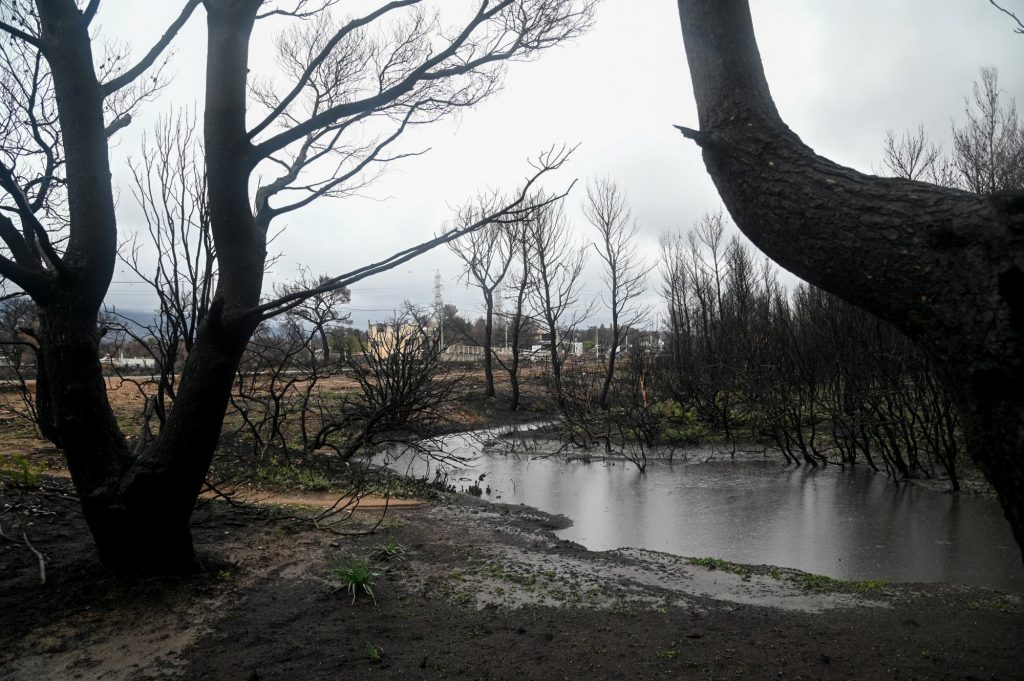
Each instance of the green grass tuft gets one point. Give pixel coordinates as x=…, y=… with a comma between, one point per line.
x=390, y=550
x=356, y=575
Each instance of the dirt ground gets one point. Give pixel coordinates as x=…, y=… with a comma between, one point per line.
x=479, y=591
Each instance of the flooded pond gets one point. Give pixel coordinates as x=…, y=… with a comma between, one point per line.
x=848, y=524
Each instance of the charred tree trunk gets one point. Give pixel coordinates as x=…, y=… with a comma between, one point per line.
x=146, y=523
x=138, y=507
x=944, y=266
x=556, y=368
x=613, y=347
x=489, y=344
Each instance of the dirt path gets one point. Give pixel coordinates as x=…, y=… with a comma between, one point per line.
x=481, y=592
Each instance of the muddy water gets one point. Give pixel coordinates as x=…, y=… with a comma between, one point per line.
x=848, y=524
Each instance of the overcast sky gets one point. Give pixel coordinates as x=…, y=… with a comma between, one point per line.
x=842, y=73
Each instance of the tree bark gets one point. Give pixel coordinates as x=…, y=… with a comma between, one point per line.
x=945, y=266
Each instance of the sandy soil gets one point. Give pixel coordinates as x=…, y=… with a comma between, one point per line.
x=480, y=592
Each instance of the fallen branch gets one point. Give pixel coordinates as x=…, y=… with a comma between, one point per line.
x=39, y=557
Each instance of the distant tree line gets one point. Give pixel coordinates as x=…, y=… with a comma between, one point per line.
x=822, y=380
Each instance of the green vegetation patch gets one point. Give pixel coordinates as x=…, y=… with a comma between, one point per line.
x=997, y=604
x=17, y=470
x=723, y=565
x=814, y=582
x=294, y=477
x=806, y=580
x=356, y=575
x=390, y=550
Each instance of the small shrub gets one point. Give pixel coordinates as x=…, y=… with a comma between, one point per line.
x=475, y=489
x=390, y=550
x=356, y=575
x=17, y=471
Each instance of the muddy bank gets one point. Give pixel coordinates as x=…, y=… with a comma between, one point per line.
x=479, y=591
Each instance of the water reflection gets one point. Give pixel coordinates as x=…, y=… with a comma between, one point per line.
x=849, y=524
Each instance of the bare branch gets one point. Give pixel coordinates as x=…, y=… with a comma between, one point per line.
x=29, y=218
x=625, y=273
x=20, y=35
x=299, y=10
x=90, y=11
x=551, y=160
x=337, y=179
x=117, y=124
x=1020, y=23
x=505, y=31
x=30, y=280
x=16, y=242
x=134, y=72
x=315, y=63
x=39, y=557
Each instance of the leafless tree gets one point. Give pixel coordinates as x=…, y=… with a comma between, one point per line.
x=556, y=270
x=625, y=275
x=699, y=271
x=486, y=255
x=346, y=99
x=405, y=393
x=174, y=254
x=988, y=150
x=913, y=157
x=288, y=422
x=272, y=390
x=320, y=310
x=517, y=318
x=945, y=266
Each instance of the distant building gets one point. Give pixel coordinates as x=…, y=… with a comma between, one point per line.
x=384, y=338
x=122, y=362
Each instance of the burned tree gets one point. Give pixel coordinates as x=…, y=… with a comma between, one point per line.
x=351, y=94
x=517, y=318
x=169, y=188
x=988, y=149
x=319, y=311
x=945, y=266
x=486, y=256
x=556, y=270
x=625, y=277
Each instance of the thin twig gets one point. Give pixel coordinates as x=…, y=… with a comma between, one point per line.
x=39, y=557
x=1013, y=16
